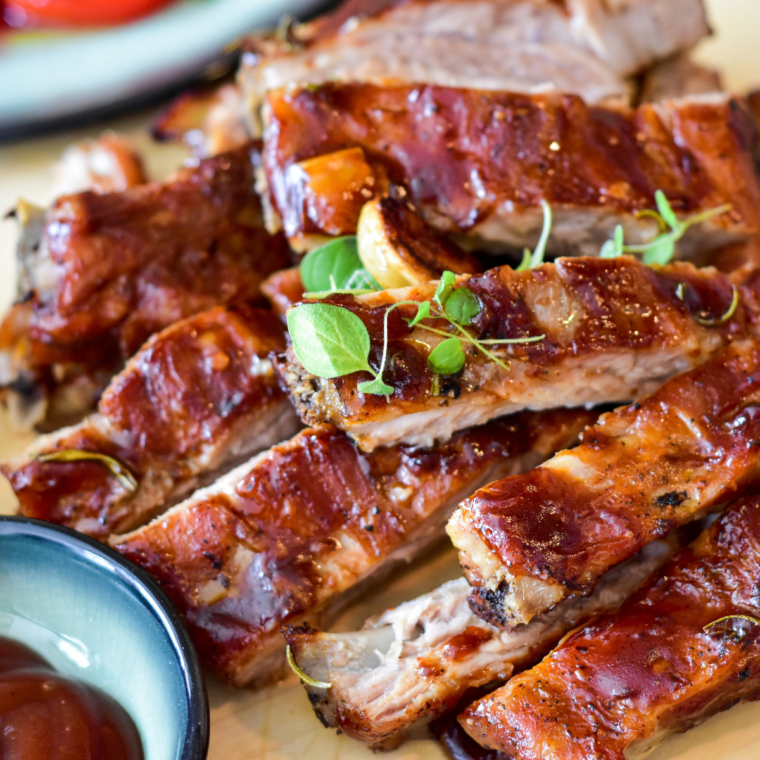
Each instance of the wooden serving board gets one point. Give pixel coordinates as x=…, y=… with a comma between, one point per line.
x=277, y=723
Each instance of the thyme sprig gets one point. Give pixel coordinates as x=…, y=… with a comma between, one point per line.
x=661, y=250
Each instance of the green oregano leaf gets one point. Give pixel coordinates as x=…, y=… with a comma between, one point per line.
x=423, y=312
x=462, y=306
x=376, y=387
x=445, y=288
x=661, y=251
x=328, y=340
x=666, y=212
x=447, y=358
x=332, y=266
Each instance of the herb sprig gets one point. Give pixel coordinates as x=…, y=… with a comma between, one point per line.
x=336, y=268
x=745, y=618
x=122, y=474
x=331, y=341
x=306, y=679
x=662, y=249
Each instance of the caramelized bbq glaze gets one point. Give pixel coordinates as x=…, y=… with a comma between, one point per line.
x=613, y=329
x=194, y=392
x=623, y=682
x=286, y=534
x=465, y=157
x=640, y=471
x=114, y=268
x=47, y=716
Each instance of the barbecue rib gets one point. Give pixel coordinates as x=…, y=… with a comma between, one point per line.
x=614, y=330
x=416, y=662
x=109, y=270
x=617, y=687
x=105, y=165
x=287, y=534
x=198, y=397
x=476, y=164
x=528, y=542
x=581, y=46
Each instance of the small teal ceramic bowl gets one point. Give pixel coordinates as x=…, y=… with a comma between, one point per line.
x=96, y=617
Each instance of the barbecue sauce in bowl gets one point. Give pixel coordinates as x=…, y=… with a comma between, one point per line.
x=45, y=715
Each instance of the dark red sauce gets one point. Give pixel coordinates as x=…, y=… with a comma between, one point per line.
x=48, y=716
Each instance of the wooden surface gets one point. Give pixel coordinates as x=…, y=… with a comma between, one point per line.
x=277, y=723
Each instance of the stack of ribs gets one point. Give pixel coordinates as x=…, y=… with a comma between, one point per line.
x=263, y=498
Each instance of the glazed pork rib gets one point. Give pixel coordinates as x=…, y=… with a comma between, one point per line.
x=199, y=397
x=476, y=164
x=666, y=662
x=528, y=542
x=417, y=661
x=291, y=532
x=581, y=46
x=100, y=273
x=613, y=330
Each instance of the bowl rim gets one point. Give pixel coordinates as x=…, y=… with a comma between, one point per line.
x=140, y=583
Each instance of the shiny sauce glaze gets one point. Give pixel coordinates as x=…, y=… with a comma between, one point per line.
x=46, y=715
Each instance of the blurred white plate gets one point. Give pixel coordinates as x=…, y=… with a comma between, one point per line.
x=47, y=77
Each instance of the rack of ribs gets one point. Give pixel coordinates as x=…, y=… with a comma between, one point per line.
x=528, y=542
x=295, y=530
x=101, y=272
x=682, y=649
x=476, y=164
x=613, y=330
x=198, y=398
x=416, y=661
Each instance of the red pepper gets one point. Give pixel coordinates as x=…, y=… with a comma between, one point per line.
x=79, y=12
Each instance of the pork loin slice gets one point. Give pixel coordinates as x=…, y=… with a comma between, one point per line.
x=293, y=531
x=416, y=662
x=108, y=164
x=661, y=665
x=109, y=270
x=581, y=46
x=528, y=542
x=613, y=330
x=200, y=397
x=476, y=164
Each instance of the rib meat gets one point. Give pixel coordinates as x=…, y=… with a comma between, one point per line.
x=476, y=164
x=528, y=542
x=291, y=532
x=582, y=46
x=614, y=689
x=198, y=398
x=109, y=270
x=614, y=330
x=416, y=661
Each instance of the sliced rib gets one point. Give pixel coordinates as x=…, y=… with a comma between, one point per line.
x=108, y=270
x=416, y=661
x=476, y=164
x=199, y=397
x=614, y=330
x=616, y=688
x=528, y=542
x=582, y=46
x=291, y=532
